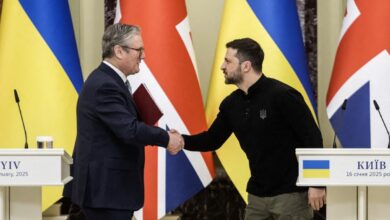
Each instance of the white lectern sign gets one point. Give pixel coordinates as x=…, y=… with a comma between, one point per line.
x=343, y=167
x=22, y=173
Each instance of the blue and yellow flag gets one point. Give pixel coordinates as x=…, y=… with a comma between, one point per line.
x=275, y=25
x=38, y=58
x=316, y=169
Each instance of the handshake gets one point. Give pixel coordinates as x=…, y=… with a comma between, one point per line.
x=176, y=142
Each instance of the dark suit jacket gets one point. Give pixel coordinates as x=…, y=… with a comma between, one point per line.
x=109, y=151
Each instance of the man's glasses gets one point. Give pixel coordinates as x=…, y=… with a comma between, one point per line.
x=140, y=50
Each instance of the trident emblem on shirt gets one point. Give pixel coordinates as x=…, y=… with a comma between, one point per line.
x=263, y=113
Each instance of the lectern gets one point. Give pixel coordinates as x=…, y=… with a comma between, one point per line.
x=23, y=172
x=345, y=167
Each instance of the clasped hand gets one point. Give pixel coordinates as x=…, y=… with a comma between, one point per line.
x=176, y=142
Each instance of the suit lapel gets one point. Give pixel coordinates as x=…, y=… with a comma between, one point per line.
x=110, y=72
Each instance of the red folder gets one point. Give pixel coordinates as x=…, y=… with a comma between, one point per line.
x=148, y=110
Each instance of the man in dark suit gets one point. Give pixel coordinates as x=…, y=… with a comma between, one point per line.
x=109, y=151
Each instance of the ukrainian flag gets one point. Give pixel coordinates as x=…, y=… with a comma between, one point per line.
x=316, y=169
x=275, y=25
x=38, y=58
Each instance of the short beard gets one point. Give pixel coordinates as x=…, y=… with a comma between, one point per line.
x=235, y=78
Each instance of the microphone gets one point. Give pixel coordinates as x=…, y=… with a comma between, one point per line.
x=383, y=121
x=343, y=107
x=17, y=100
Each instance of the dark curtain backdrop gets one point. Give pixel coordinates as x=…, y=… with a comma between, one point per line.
x=307, y=10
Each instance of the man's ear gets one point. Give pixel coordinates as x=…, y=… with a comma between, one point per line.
x=246, y=66
x=118, y=51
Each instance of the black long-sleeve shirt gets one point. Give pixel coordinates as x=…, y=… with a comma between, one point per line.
x=269, y=123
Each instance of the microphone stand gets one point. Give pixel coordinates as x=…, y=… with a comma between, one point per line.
x=21, y=116
x=383, y=121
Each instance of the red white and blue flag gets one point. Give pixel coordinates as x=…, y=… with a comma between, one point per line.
x=169, y=73
x=361, y=74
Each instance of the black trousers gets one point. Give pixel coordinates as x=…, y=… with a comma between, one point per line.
x=105, y=214
x=75, y=212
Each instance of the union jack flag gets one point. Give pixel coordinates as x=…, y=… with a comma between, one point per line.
x=361, y=74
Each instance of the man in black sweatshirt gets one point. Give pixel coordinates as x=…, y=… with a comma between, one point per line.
x=270, y=119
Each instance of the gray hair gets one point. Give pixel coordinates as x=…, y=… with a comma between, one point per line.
x=117, y=34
